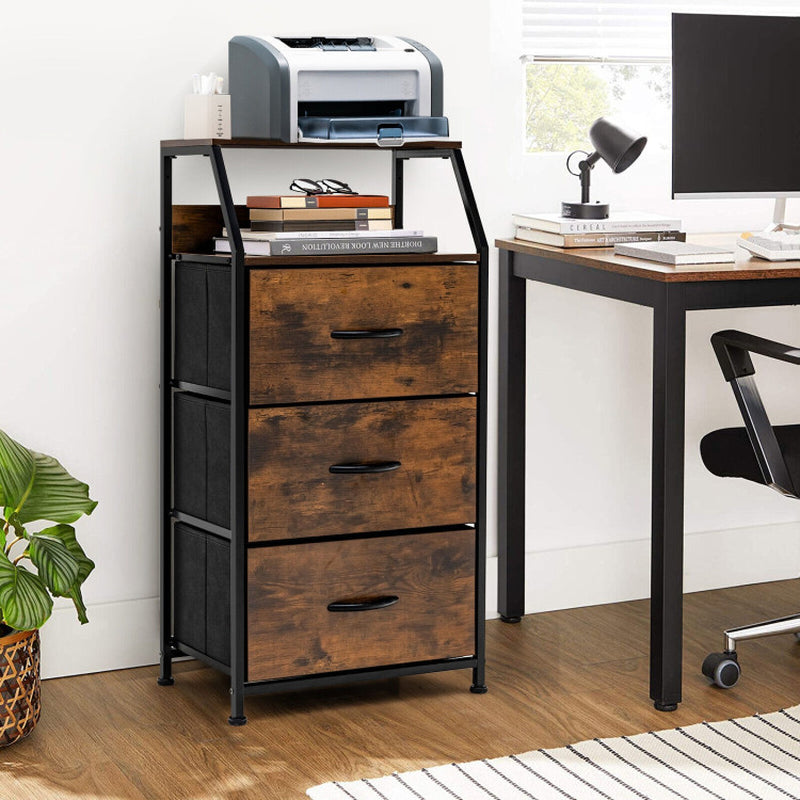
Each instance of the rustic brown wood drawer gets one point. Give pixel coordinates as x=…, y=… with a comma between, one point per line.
x=417, y=456
x=350, y=333
x=291, y=630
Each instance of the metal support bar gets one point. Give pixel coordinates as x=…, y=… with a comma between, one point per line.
x=666, y=576
x=511, y=441
x=482, y=248
x=239, y=389
x=397, y=188
x=470, y=207
x=770, y=627
x=165, y=675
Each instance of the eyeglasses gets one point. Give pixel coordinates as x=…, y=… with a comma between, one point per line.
x=324, y=186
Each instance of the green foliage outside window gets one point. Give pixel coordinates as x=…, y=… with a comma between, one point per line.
x=563, y=100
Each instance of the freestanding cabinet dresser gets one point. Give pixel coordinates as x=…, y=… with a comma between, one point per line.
x=323, y=448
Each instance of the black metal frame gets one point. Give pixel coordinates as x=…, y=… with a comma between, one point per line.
x=238, y=398
x=670, y=300
x=733, y=350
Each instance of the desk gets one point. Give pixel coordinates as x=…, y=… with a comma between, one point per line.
x=670, y=292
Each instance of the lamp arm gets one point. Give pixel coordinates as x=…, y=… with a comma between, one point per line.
x=585, y=168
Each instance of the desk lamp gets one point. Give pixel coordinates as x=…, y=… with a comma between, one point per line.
x=618, y=149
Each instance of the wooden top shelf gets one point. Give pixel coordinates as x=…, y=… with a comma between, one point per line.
x=364, y=260
x=746, y=267
x=333, y=144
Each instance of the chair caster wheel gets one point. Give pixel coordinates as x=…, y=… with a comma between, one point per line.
x=723, y=669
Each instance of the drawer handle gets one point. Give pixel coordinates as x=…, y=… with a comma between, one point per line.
x=364, y=605
x=364, y=469
x=380, y=333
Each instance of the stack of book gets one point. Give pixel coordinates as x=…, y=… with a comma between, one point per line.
x=325, y=224
x=619, y=228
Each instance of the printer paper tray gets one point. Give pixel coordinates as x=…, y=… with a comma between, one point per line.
x=388, y=129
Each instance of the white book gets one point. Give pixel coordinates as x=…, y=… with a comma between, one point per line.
x=388, y=243
x=677, y=253
x=271, y=236
x=618, y=222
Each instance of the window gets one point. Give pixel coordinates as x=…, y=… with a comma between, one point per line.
x=585, y=59
x=563, y=99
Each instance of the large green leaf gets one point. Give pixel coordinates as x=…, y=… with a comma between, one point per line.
x=35, y=486
x=16, y=471
x=54, y=494
x=58, y=568
x=77, y=599
x=24, y=599
x=66, y=534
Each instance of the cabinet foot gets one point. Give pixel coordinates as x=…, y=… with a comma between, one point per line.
x=166, y=681
x=510, y=620
x=479, y=688
x=665, y=706
x=237, y=721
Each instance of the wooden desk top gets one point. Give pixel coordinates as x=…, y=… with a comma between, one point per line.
x=316, y=144
x=746, y=267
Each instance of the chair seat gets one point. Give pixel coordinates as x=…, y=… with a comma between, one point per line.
x=729, y=454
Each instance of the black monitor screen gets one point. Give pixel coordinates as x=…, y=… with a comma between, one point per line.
x=735, y=105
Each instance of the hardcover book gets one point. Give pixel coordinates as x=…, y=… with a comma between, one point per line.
x=355, y=212
x=248, y=234
x=616, y=223
x=317, y=201
x=599, y=239
x=323, y=225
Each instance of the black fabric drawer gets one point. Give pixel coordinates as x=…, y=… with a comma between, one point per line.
x=202, y=324
x=202, y=453
x=202, y=591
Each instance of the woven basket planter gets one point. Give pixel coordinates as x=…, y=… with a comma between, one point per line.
x=20, y=695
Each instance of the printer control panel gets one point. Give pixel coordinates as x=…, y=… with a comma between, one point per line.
x=325, y=43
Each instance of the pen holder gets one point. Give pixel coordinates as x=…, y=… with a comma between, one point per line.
x=207, y=116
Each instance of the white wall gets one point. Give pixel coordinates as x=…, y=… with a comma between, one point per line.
x=91, y=90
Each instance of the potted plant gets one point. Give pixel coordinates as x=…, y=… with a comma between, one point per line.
x=35, y=567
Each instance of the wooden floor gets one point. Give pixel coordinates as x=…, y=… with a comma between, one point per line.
x=555, y=678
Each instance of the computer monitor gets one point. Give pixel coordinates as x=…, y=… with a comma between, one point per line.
x=736, y=107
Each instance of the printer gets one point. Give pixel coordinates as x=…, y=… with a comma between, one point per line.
x=386, y=88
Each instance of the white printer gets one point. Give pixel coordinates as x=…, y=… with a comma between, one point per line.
x=387, y=88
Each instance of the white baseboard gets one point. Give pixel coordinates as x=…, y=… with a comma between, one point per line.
x=619, y=571
x=117, y=636
x=125, y=634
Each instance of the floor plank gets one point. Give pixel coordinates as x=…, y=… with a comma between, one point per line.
x=555, y=678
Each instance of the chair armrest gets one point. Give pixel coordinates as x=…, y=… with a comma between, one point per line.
x=733, y=350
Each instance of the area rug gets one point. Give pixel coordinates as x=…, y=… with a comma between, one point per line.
x=740, y=759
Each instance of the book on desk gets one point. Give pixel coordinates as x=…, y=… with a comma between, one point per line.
x=618, y=228
x=678, y=253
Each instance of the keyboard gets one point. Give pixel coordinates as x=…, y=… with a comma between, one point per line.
x=781, y=245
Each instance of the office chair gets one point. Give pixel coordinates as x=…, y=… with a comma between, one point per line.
x=758, y=452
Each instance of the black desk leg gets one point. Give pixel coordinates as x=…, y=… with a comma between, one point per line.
x=666, y=582
x=511, y=443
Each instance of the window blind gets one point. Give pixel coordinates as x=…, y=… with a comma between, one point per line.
x=619, y=30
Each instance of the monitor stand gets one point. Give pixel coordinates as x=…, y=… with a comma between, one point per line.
x=779, y=217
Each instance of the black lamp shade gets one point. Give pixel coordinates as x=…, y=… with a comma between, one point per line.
x=618, y=148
